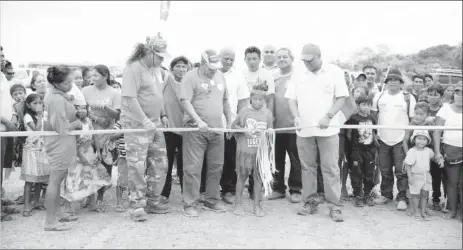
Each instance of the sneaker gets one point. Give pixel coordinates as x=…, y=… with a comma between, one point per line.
x=138, y=214
x=161, y=208
x=436, y=206
x=358, y=202
x=190, y=211
x=369, y=201
x=201, y=198
x=228, y=198
x=310, y=207
x=217, y=207
x=336, y=215
x=322, y=199
x=374, y=194
x=382, y=200
x=276, y=196
x=295, y=198
x=401, y=206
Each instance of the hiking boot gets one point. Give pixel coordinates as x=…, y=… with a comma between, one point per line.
x=310, y=207
x=228, y=198
x=160, y=208
x=368, y=200
x=436, y=206
x=358, y=202
x=295, y=198
x=190, y=211
x=217, y=207
x=336, y=215
x=401, y=206
x=138, y=214
x=382, y=200
x=276, y=195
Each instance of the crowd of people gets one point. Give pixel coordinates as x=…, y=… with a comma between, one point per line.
x=213, y=166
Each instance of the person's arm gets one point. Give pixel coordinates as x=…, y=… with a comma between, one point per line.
x=131, y=83
x=341, y=93
x=226, y=107
x=409, y=161
x=185, y=98
x=58, y=120
x=408, y=134
x=291, y=95
x=270, y=97
x=437, y=141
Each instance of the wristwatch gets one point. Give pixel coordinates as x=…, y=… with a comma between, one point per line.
x=330, y=115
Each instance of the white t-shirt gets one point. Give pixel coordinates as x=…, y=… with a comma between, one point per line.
x=315, y=95
x=452, y=119
x=392, y=110
x=237, y=89
x=6, y=101
x=261, y=74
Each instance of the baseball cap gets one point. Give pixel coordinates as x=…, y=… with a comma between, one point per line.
x=309, y=51
x=211, y=59
x=158, y=46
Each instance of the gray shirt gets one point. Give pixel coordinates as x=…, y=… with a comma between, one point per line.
x=172, y=105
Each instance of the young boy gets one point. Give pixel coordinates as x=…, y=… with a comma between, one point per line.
x=18, y=93
x=363, y=152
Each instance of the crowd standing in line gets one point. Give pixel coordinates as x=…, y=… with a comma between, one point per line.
x=214, y=166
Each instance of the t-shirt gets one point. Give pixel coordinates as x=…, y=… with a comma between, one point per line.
x=109, y=97
x=452, y=119
x=139, y=83
x=419, y=160
x=6, y=101
x=274, y=70
x=362, y=136
x=120, y=141
x=237, y=89
x=283, y=116
x=262, y=75
x=206, y=97
x=250, y=118
x=172, y=105
x=392, y=111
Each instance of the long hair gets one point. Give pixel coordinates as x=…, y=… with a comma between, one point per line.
x=104, y=71
x=30, y=98
x=138, y=53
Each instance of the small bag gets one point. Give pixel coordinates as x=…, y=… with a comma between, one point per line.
x=452, y=155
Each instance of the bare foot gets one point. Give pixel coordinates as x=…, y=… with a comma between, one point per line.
x=425, y=217
x=238, y=210
x=429, y=212
x=259, y=212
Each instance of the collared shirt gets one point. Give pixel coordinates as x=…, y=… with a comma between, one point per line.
x=274, y=70
x=6, y=101
x=283, y=116
x=261, y=74
x=315, y=94
x=237, y=89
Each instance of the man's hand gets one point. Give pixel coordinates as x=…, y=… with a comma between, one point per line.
x=10, y=126
x=410, y=180
x=376, y=139
x=165, y=122
x=104, y=122
x=324, y=122
x=439, y=159
x=149, y=125
x=203, y=126
x=297, y=122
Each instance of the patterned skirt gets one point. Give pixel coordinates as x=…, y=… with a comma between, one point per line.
x=35, y=167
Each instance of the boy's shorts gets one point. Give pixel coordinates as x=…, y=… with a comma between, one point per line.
x=123, y=172
x=245, y=162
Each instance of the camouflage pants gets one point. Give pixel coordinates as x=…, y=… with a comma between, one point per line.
x=146, y=154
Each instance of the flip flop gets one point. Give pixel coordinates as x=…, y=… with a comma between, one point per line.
x=120, y=208
x=69, y=218
x=39, y=207
x=58, y=228
x=27, y=213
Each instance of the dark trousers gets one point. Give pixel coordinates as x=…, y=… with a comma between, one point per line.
x=6, y=154
x=391, y=159
x=438, y=176
x=363, y=169
x=202, y=188
x=454, y=186
x=287, y=143
x=228, y=179
x=174, y=151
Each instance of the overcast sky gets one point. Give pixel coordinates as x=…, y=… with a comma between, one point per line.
x=105, y=32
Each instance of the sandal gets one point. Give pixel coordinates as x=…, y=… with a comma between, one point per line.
x=69, y=218
x=27, y=213
x=120, y=208
x=58, y=228
x=6, y=217
x=238, y=211
x=39, y=207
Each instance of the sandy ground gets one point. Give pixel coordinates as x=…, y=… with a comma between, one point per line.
x=368, y=227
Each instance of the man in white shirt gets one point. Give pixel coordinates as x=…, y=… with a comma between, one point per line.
x=315, y=98
x=270, y=59
x=238, y=97
x=255, y=75
x=392, y=108
x=370, y=73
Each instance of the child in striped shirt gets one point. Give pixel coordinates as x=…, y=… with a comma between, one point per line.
x=122, y=186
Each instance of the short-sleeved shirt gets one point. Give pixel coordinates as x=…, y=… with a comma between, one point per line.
x=452, y=119
x=250, y=118
x=364, y=136
x=419, y=160
x=172, y=105
x=61, y=150
x=262, y=75
x=392, y=111
x=315, y=94
x=139, y=83
x=6, y=101
x=206, y=97
x=283, y=116
x=237, y=89
x=109, y=97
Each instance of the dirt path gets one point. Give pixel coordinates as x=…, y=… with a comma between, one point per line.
x=376, y=227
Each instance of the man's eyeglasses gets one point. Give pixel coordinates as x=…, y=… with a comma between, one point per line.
x=10, y=73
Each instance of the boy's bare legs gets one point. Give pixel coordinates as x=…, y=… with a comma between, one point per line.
x=258, y=211
x=37, y=196
x=424, y=204
x=27, y=211
x=241, y=180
